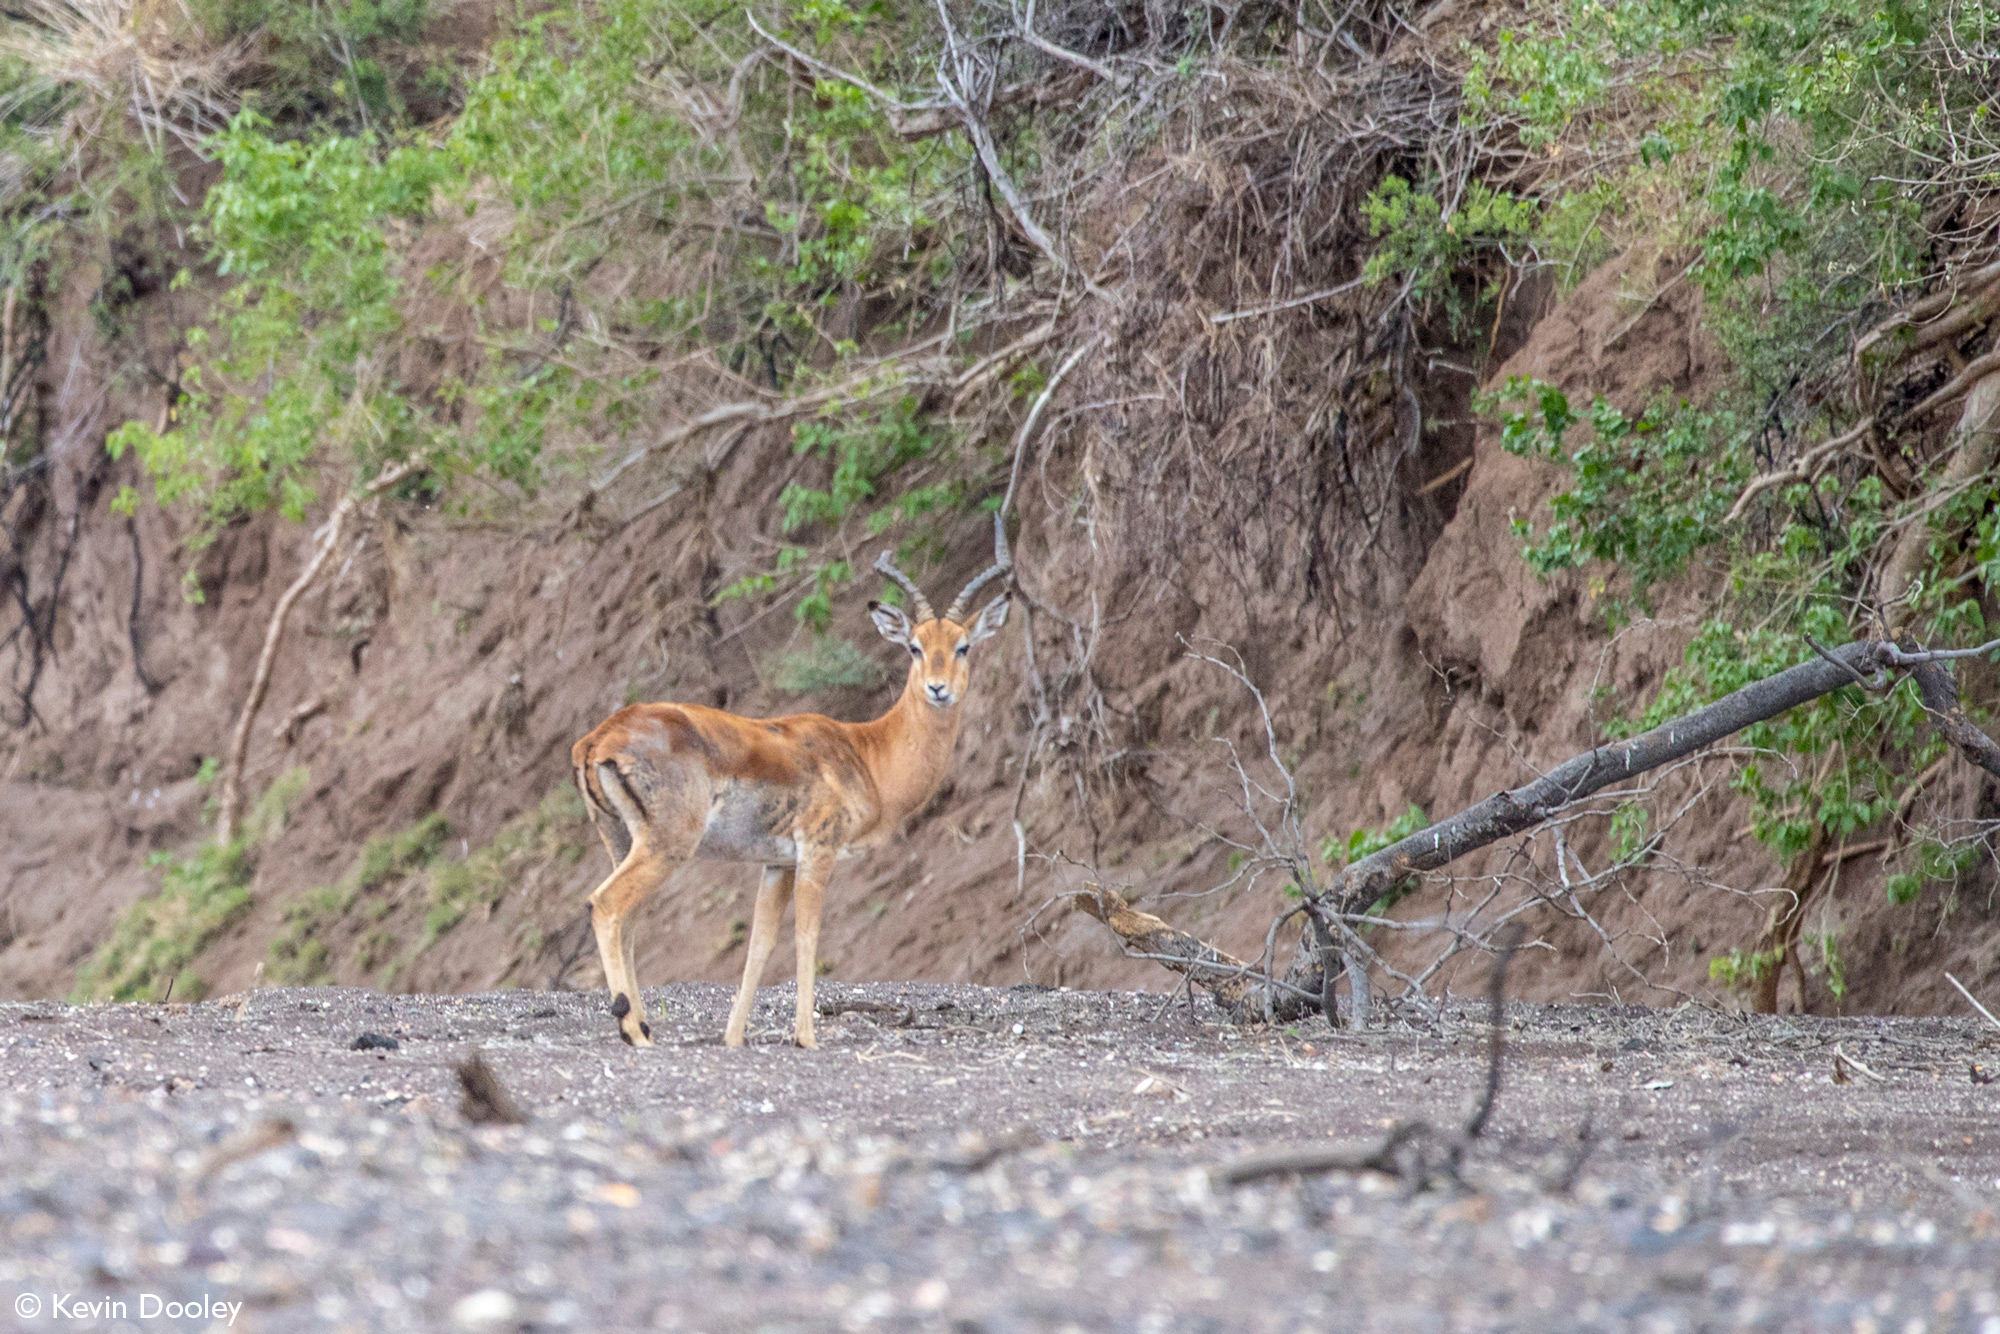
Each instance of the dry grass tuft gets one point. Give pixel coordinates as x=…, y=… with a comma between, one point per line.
x=147, y=60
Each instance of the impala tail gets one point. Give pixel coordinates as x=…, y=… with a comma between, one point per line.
x=615, y=810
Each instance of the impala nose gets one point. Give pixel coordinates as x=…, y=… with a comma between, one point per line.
x=940, y=695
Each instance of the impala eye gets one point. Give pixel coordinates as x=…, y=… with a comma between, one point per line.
x=962, y=648
x=916, y=651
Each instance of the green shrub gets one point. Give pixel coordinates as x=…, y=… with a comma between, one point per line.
x=825, y=664
x=344, y=62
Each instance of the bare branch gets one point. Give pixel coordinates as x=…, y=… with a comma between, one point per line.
x=324, y=541
x=1523, y=808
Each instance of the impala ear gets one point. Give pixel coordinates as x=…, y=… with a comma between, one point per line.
x=990, y=620
x=895, y=626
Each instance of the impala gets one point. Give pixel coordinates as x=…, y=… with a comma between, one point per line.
x=665, y=783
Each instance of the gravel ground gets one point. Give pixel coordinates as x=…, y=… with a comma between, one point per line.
x=967, y=1158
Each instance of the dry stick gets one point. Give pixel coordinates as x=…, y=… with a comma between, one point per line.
x=996, y=171
x=912, y=121
x=1027, y=431
x=1971, y=457
x=1224, y=317
x=1929, y=308
x=1387, y=1156
x=1496, y=1041
x=324, y=541
x=1975, y=370
x=1800, y=471
x=878, y=378
x=1974, y=999
x=1446, y=477
x=1222, y=975
x=1026, y=26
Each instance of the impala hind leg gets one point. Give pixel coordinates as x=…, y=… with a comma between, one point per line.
x=773, y=893
x=638, y=875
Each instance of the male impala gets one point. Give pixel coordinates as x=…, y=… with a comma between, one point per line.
x=668, y=782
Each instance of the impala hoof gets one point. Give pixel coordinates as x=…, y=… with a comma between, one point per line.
x=632, y=1030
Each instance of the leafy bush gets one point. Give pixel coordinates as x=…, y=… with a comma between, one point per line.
x=1646, y=494
x=825, y=664
x=1419, y=243
x=303, y=341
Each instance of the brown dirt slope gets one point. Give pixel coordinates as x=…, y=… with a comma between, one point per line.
x=448, y=667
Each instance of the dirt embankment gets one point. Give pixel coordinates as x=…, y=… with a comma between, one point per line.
x=445, y=668
x=971, y=1158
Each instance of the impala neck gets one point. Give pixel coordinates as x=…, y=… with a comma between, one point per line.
x=913, y=743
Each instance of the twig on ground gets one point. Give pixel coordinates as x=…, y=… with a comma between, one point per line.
x=1974, y=1000
x=981, y=1153
x=1842, y=1063
x=1402, y=1152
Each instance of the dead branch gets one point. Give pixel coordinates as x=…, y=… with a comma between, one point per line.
x=889, y=375
x=1516, y=811
x=1973, y=999
x=1939, y=693
x=1802, y=470
x=1249, y=992
x=1415, y=1152
x=1222, y=975
x=324, y=542
x=1027, y=431
x=1025, y=25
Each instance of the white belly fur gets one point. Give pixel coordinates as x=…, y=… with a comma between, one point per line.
x=736, y=832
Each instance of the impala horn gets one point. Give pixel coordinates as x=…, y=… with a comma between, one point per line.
x=887, y=569
x=1003, y=565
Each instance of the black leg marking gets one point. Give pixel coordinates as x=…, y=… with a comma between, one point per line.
x=623, y=1036
x=645, y=1029
x=620, y=1007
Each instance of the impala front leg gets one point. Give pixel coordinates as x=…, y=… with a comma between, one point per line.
x=814, y=867
x=773, y=893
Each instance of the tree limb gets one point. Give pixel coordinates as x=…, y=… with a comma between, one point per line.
x=1246, y=992
x=1523, y=808
x=1939, y=693
x=324, y=541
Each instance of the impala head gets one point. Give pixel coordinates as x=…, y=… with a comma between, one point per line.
x=940, y=647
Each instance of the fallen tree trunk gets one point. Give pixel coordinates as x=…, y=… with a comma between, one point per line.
x=1305, y=988
x=1516, y=811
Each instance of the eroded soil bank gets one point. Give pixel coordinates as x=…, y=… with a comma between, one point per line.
x=971, y=1158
